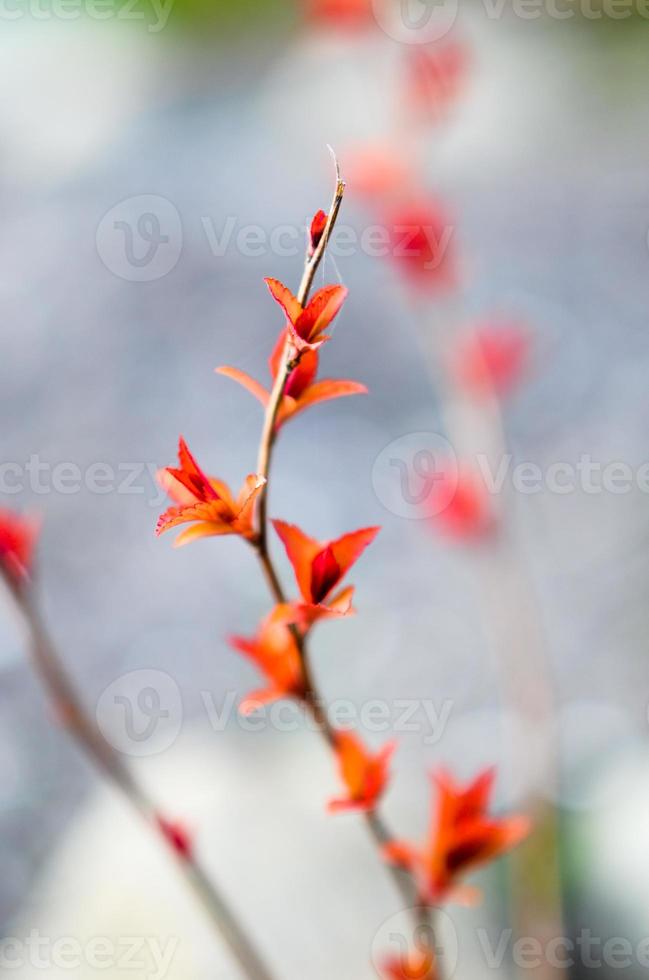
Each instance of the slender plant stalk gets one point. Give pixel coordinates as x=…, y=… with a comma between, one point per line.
x=375, y=824
x=71, y=713
x=515, y=631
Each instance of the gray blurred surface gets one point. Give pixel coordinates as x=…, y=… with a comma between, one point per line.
x=98, y=369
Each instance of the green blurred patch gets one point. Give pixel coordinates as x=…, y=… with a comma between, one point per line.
x=228, y=17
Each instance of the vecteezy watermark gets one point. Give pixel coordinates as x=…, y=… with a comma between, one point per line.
x=153, y=13
x=415, y=21
x=148, y=955
x=416, y=475
x=426, y=21
x=400, y=935
x=141, y=714
x=410, y=932
x=421, y=716
x=584, y=949
x=141, y=239
x=42, y=477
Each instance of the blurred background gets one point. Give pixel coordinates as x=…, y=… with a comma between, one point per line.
x=157, y=161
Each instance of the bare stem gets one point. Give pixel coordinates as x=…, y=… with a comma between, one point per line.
x=516, y=637
x=72, y=714
x=376, y=826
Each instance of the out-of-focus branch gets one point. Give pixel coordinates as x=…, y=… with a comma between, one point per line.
x=70, y=712
x=515, y=635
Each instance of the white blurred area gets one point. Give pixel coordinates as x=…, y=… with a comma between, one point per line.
x=292, y=872
x=69, y=90
x=296, y=873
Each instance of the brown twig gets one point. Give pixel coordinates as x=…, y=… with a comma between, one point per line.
x=71, y=713
x=376, y=826
x=268, y=434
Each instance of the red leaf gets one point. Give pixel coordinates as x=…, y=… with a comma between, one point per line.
x=254, y=387
x=422, y=243
x=177, y=836
x=317, y=229
x=462, y=837
x=18, y=537
x=492, y=357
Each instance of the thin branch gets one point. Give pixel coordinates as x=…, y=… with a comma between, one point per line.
x=268, y=434
x=71, y=713
x=514, y=632
x=376, y=826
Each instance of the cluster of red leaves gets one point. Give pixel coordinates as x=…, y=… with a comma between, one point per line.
x=207, y=505
x=319, y=567
x=307, y=324
x=305, y=332
x=302, y=390
x=17, y=542
x=463, y=836
x=205, y=502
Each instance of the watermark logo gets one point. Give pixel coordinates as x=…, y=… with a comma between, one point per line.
x=416, y=21
x=150, y=957
x=141, y=713
x=141, y=238
x=416, y=475
x=411, y=932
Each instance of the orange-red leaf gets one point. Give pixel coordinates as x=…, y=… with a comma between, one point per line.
x=283, y=295
x=206, y=502
x=364, y=773
x=348, y=549
x=190, y=476
x=320, y=565
x=250, y=384
x=326, y=390
x=320, y=312
x=462, y=836
x=301, y=550
x=275, y=652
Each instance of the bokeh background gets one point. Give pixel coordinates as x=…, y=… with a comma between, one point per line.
x=220, y=118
